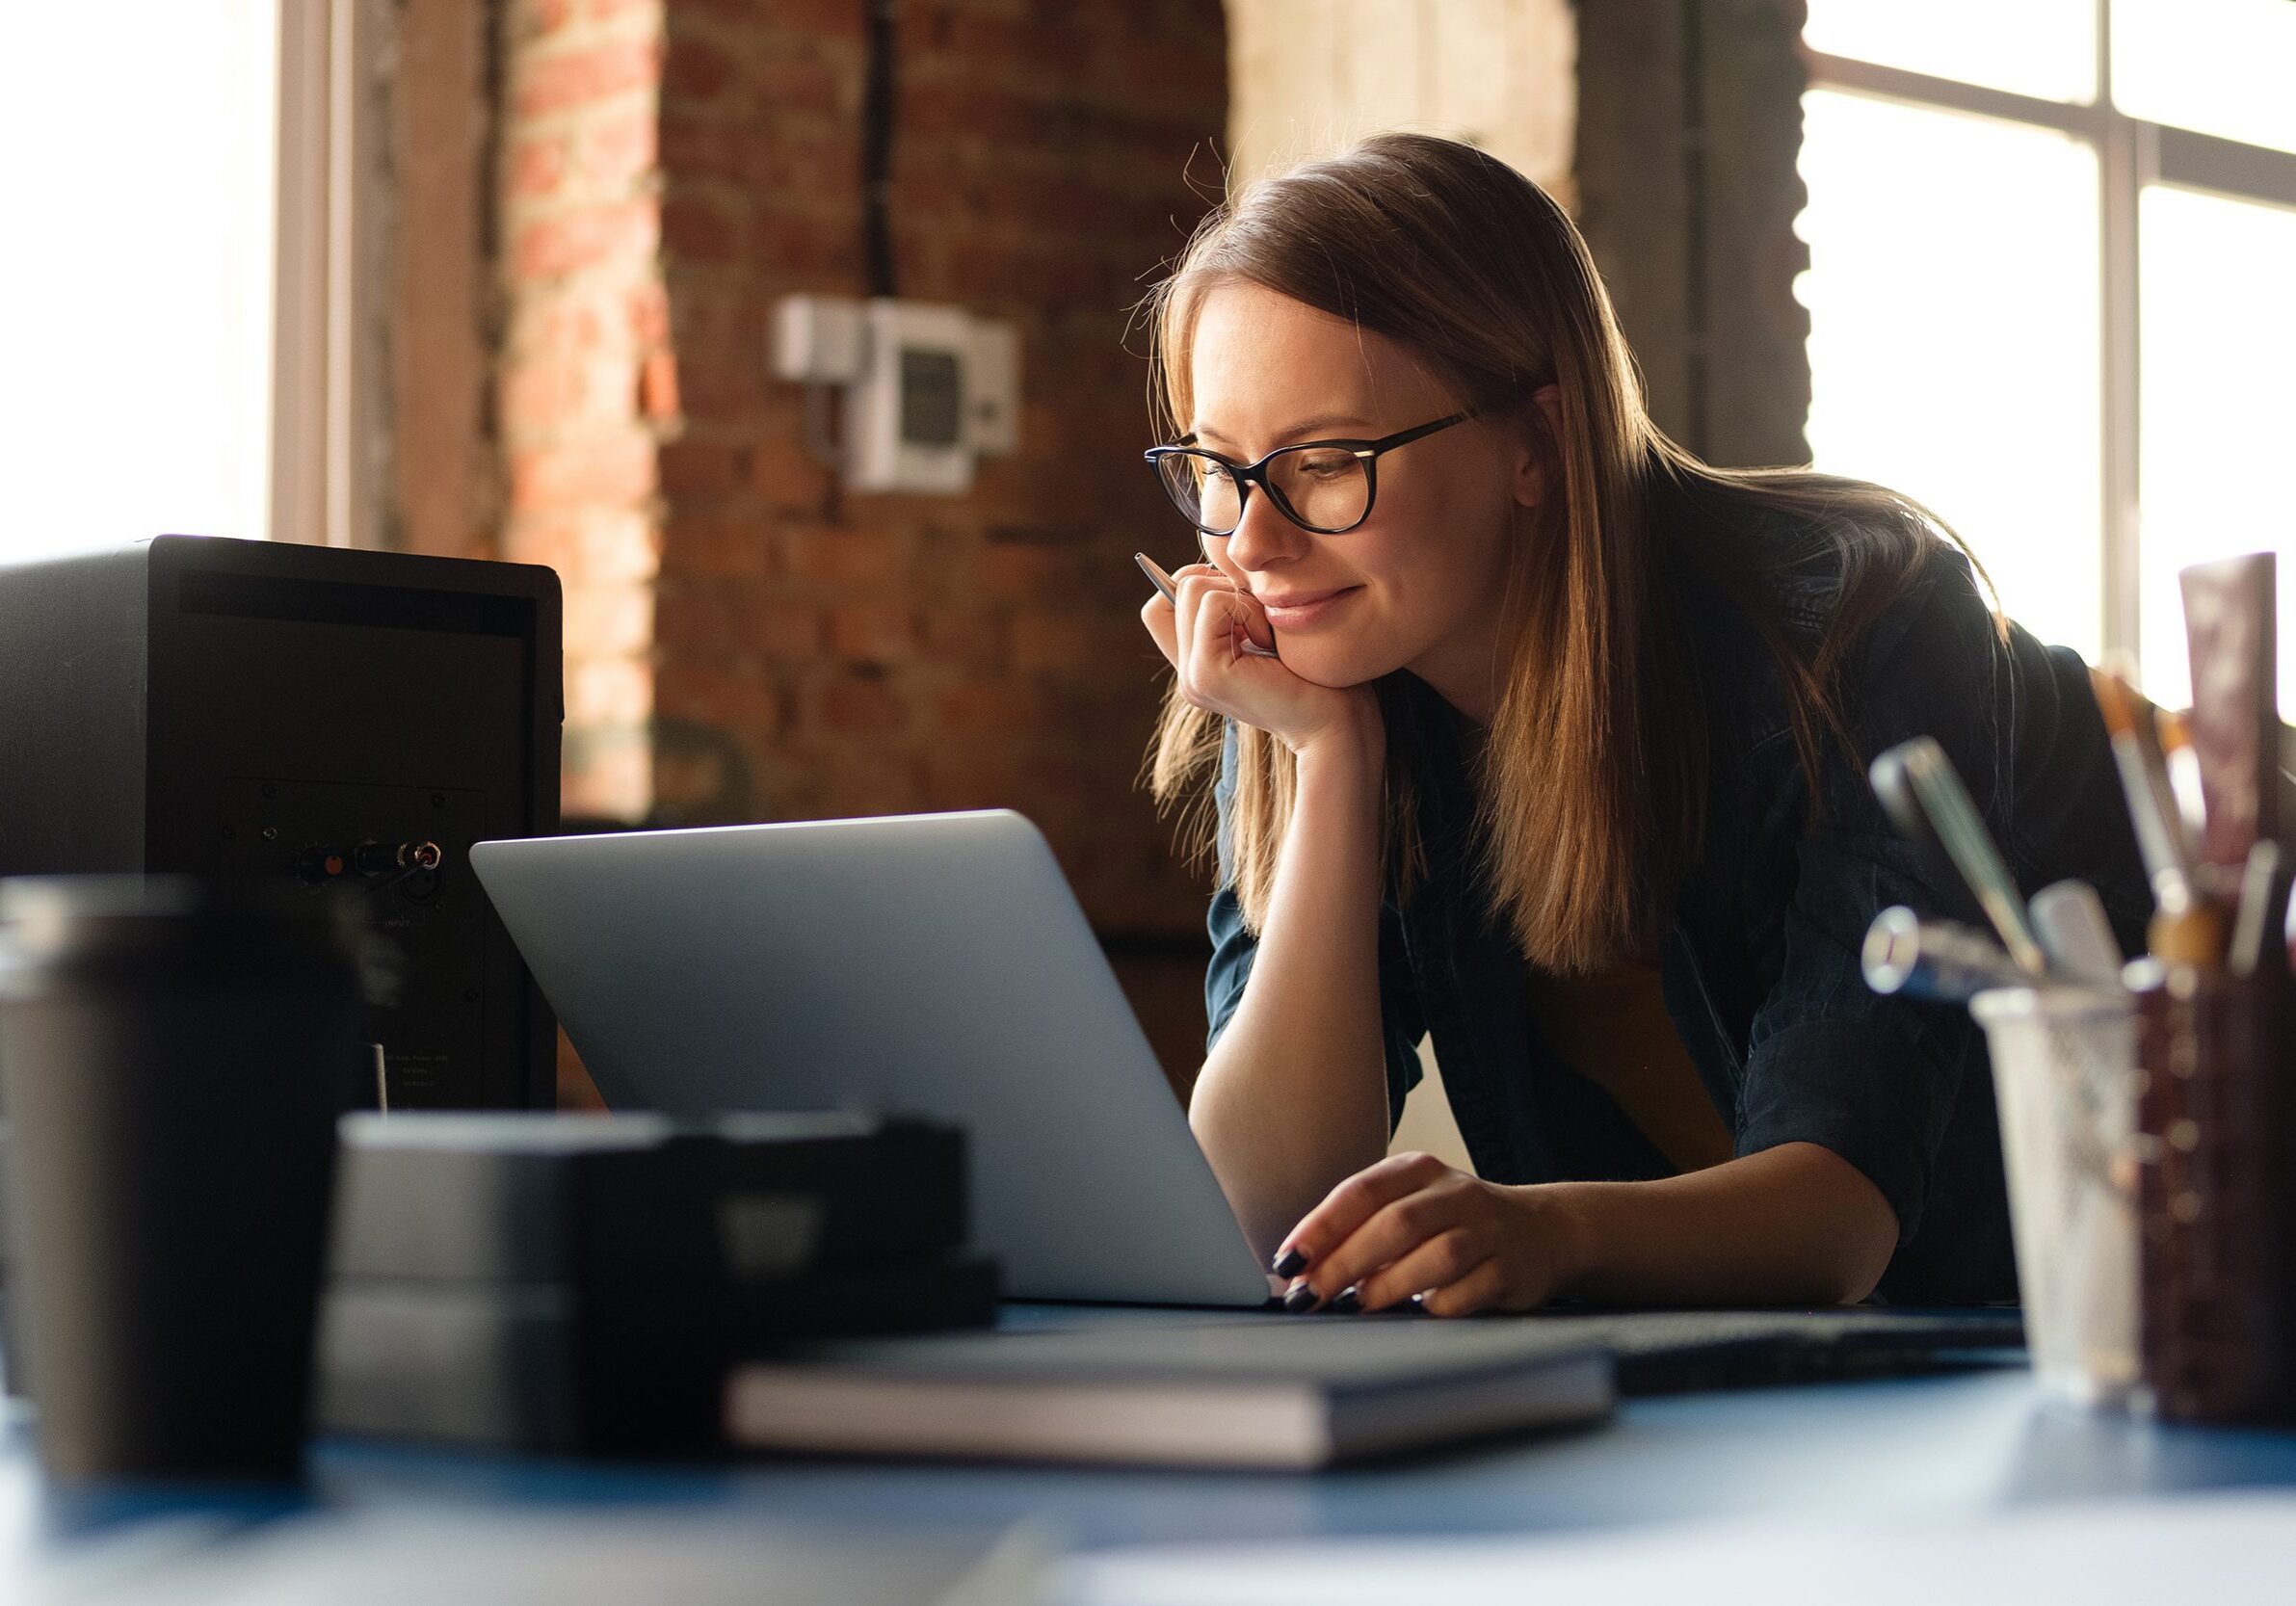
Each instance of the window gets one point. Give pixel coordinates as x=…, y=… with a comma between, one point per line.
x=176, y=281
x=139, y=283
x=2051, y=245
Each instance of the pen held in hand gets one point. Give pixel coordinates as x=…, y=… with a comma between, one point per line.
x=1163, y=583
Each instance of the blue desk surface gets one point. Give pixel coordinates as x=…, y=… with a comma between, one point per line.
x=1962, y=1441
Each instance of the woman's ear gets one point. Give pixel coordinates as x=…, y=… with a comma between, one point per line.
x=1542, y=446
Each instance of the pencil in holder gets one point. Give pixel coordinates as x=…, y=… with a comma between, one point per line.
x=2216, y=1192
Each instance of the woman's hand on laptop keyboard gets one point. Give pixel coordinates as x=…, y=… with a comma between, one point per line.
x=1411, y=1225
x=1792, y=1225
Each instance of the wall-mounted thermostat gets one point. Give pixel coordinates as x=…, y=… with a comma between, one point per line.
x=927, y=388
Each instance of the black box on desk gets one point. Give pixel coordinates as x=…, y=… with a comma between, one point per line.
x=582, y=1284
x=261, y=708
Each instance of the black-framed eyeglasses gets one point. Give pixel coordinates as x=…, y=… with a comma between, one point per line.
x=1325, y=486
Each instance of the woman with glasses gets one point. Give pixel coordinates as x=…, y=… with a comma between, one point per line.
x=1559, y=760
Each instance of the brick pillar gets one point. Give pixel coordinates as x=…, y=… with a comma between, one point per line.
x=587, y=388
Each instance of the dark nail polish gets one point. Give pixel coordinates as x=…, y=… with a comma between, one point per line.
x=1291, y=1262
x=1300, y=1298
x=1348, y=1301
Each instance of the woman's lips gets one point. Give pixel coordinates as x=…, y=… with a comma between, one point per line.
x=1312, y=607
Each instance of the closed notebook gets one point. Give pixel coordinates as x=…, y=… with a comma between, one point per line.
x=1289, y=1393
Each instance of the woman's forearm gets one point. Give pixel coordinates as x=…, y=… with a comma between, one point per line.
x=1294, y=1098
x=1796, y=1224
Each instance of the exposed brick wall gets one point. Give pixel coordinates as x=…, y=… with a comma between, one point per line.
x=585, y=387
x=820, y=654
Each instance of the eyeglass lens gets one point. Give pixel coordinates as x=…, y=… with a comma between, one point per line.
x=1323, y=486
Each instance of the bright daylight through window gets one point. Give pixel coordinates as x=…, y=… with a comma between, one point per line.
x=146, y=312
x=2049, y=292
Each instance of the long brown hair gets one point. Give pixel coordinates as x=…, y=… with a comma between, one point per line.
x=1592, y=779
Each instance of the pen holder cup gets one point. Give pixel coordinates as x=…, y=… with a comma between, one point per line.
x=2216, y=1198
x=2065, y=1080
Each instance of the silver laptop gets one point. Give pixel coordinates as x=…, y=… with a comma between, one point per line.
x=931, y=963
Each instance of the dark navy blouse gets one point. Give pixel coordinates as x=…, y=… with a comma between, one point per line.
x=1760, y=969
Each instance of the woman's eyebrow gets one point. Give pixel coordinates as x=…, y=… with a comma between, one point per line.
x=1303, y=429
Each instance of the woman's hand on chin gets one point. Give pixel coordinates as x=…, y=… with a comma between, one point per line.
x=1202, y=634
x=1411, y=1225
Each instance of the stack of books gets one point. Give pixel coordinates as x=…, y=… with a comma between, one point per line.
x=583, y=1284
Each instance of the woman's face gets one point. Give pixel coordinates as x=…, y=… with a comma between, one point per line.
x=1418, y=583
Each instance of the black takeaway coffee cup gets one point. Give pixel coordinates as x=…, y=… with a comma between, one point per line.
x=172, y=1054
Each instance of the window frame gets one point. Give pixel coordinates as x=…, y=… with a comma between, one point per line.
x=326, y=368
x=2131, y=153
